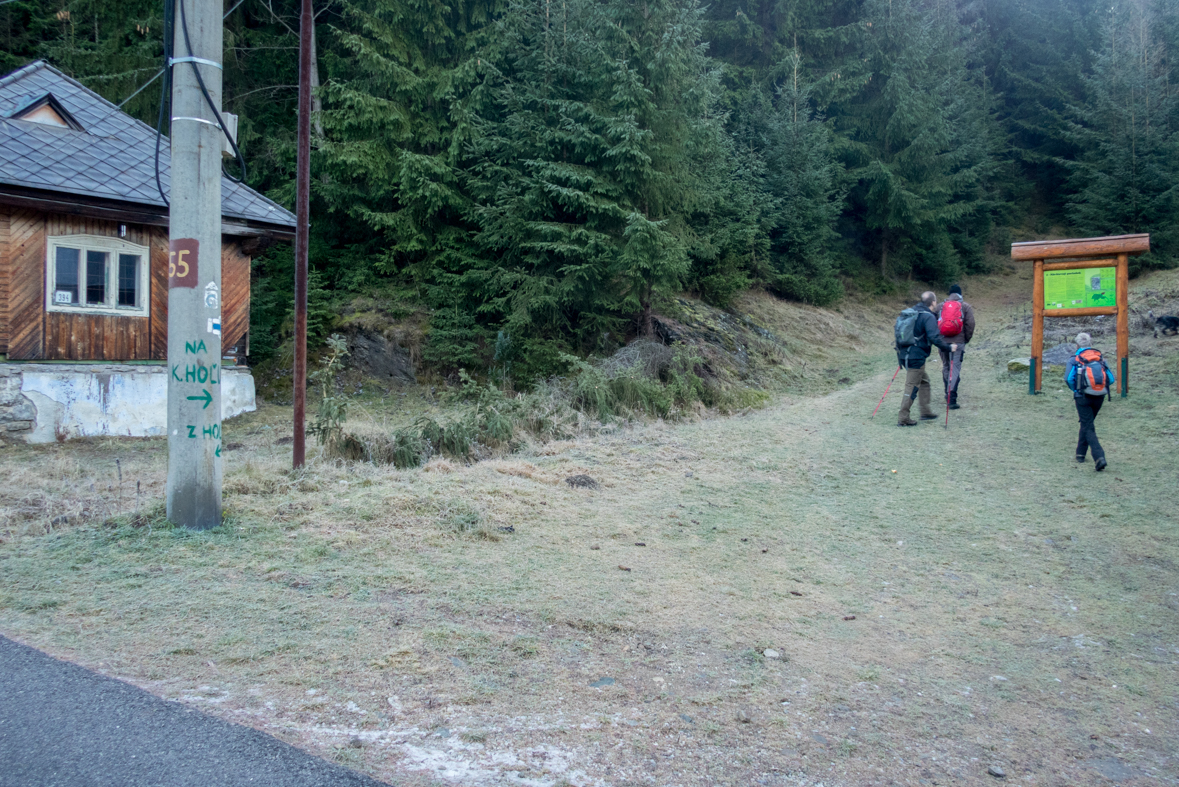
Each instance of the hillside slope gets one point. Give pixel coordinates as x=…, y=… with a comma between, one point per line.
x=798, y=595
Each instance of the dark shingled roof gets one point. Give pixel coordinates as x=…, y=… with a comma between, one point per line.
x=112, y=158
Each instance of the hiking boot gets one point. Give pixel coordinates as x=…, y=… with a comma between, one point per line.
x=1080, y=458
x=1101, y=464
x=928, y=417
x=955, y=406
x=907, y=422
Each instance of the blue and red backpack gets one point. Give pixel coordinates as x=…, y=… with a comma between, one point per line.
x=1093, y=376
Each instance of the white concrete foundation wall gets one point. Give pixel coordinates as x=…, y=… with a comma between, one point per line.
x=117, y=400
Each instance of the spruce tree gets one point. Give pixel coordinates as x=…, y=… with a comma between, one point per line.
x=917, y=138
x=1036, y=54
x=725, y=222
x=1126, y=178
x=580, y=166
x=25, y=25
x=803, y=182
x=113, y=49
x=388, y=162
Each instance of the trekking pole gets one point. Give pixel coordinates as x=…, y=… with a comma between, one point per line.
x=890, y=382
x=949, y=387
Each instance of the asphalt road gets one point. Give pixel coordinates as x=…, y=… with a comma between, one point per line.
x=64, y=725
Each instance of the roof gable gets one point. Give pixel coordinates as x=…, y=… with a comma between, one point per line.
x=105, y=154
x=48, y=111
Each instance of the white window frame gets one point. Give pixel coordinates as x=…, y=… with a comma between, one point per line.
x=112, y=247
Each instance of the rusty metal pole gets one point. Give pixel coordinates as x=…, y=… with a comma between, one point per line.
x=302, y=218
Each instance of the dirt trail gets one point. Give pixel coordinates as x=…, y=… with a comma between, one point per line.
x=758, y=599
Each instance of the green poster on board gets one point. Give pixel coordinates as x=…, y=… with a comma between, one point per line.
x=1080, y=289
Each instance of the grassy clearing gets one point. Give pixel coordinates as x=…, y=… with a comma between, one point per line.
x=1010, y=607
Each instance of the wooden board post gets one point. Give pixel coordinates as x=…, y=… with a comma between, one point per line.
x=1123, y=297
x=1035, y=369
x=1074, y=255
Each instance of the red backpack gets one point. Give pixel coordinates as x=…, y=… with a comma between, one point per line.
x=1092, y=377
x=949, y=320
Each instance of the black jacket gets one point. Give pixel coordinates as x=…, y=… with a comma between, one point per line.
x=926, y=335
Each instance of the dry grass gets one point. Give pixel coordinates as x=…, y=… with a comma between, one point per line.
x=48, y=491
x=1010, y=606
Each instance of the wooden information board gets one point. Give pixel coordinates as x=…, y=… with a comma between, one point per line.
x=1080, y=288
x=1081, y=277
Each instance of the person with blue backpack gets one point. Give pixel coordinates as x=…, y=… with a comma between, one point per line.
x=1091, y=382
x=916, y=334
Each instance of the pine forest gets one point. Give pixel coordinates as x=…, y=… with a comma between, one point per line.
x=534, y=176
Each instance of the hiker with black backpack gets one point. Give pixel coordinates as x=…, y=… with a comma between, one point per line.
x=1091, y=382
x=955, y=322
x=916, y=334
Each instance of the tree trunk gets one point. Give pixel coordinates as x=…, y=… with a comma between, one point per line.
x=647, y=320
x=316, y=101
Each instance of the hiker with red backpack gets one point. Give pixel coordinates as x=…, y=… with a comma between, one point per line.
x=916, y=334
x=955, y=322
x=1091, y=382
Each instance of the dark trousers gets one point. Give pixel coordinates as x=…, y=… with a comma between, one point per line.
x=950, y=383
x=1087, y=409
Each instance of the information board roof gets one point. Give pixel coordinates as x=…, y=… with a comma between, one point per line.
x=1081, y=247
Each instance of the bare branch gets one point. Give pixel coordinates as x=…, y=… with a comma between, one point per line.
x=263, y=89
x=270, y=7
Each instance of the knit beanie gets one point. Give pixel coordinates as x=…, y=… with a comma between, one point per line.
x=955, y=289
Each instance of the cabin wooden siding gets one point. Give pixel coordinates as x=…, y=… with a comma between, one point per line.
x=30, y=332
x=26, y=281
x=235, y=295
x=4, y=231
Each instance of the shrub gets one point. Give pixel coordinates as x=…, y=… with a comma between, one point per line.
x=328, y=424
x=483, y=418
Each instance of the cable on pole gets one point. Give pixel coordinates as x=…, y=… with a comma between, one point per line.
x=241, y=161
x=165, y=92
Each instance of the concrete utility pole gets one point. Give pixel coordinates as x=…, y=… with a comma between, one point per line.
x=302, y=228
x=194, y=270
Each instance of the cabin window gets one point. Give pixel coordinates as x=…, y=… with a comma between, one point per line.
x=96, y=274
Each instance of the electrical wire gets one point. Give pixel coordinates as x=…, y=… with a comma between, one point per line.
x=241, y=161
x=165, y=91
x=121, y=104
x=142, y=88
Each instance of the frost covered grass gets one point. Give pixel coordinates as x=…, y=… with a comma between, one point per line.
x=990, y=602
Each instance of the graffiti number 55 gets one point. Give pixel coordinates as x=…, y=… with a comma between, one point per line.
x=182, y=262
x=177, y=265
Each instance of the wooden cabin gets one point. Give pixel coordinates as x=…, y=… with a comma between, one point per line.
x=84, y=253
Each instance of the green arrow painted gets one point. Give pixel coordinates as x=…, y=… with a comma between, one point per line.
x=206, y=397
x=218, y=450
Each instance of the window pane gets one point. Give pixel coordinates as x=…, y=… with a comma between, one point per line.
x=66, y=276
x=96, y=277
x=128, y=279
